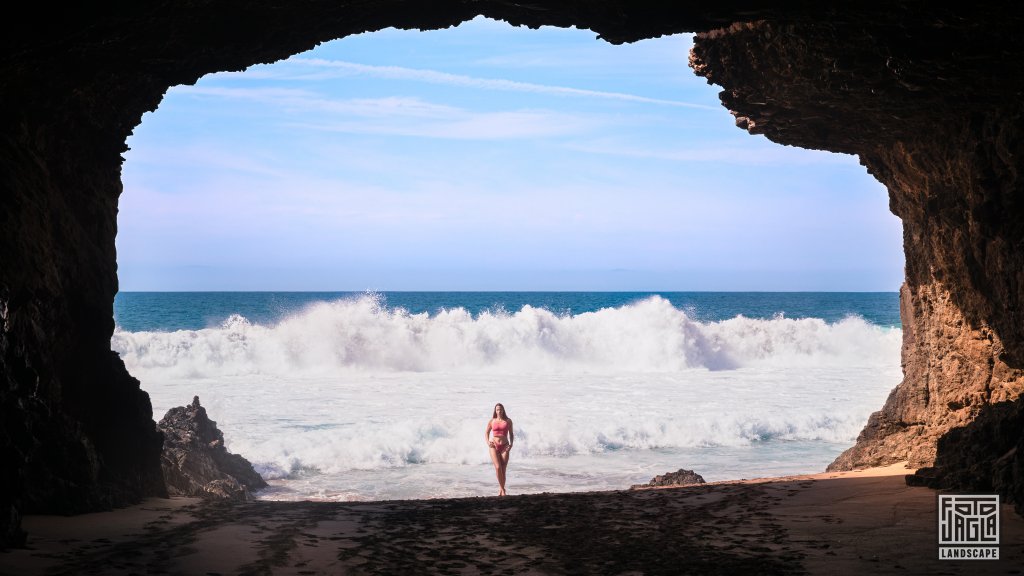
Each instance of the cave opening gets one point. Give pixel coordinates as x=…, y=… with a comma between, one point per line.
x=925, y=96
x=537, y=218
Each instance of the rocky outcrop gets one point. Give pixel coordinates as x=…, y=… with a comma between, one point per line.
x=928, y=96
x=195, y=461
x=681, y=477
x=942, y=131
x=952, y=373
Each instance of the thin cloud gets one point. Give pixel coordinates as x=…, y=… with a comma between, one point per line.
x=201, y=155
x=255, y=94
x=445, y=78
x=650, y=56
x=772, y=155
x=305, y=100
x=400, y=116
x=466, y=126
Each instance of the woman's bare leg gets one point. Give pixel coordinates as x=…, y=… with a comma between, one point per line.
x=499, y=470
x=504, y=466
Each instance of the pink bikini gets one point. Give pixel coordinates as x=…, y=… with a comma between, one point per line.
x=499, y=429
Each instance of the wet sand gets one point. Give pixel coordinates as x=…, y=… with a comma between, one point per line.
x=863, y=522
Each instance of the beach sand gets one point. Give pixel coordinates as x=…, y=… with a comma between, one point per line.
x=861, y=522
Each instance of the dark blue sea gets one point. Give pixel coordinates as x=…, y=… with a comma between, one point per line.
x=161, y=311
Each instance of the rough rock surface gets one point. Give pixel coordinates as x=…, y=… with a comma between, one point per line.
x=959, y=463
x=195, y=461
x=928, y=96
x=942, y=130
x=680, y=477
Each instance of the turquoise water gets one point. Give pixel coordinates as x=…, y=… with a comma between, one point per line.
x=151, y=311
x=353, y=396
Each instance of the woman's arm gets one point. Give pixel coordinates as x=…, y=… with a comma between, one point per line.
x=487, y=433
x=511, y=435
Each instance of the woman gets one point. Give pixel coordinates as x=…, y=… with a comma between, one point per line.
x=499, y=437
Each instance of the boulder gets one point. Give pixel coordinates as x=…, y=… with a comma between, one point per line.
x=195, y=461
x=680, y=477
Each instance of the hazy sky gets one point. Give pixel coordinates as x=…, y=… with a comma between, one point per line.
x=487, y=157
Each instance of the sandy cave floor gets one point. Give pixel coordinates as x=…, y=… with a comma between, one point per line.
x=861, y=522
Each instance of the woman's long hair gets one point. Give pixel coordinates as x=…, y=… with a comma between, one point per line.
x=503, y=411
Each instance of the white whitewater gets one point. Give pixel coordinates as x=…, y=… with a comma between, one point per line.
x=354, y=400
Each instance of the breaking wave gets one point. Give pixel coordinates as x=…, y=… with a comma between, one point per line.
x=361, y=334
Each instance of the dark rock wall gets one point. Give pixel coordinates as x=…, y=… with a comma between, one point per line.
x=931, y=103
x=929, y=99
x=76, y=432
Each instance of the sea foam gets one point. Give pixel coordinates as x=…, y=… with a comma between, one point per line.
x=345, y=397
x=361, y=334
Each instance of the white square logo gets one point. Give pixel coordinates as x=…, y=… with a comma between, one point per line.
x=969, y=526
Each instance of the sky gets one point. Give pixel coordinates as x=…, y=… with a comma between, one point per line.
x=487, y=157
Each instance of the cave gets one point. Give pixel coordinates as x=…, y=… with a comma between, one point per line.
x=929, y=99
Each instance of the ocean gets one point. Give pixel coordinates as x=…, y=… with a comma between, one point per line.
x=384, y=396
